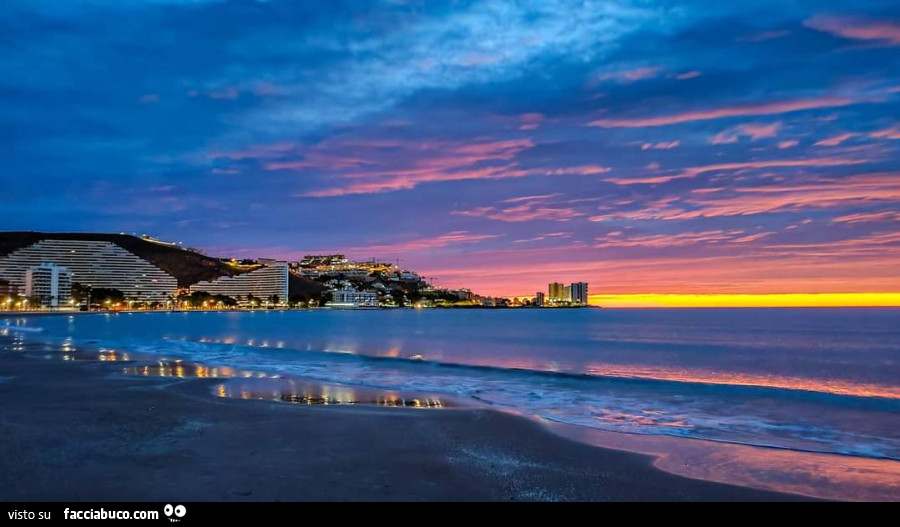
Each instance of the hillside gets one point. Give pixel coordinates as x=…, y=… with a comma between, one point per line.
x=299, y=286
x=187, y=267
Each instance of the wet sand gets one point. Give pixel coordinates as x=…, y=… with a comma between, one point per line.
x=80, y=430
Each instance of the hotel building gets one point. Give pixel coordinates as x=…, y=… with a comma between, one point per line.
x=261, y=283
x=97, y=264
x=539, y=299
x=557, y=292
x=49, y=283
x=579, y=293
x=353, y=298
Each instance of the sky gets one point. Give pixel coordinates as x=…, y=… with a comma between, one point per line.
x=653, y=148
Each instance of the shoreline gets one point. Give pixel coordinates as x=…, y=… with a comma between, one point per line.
x=99, y=435
x=13, y=314
x=809, y=473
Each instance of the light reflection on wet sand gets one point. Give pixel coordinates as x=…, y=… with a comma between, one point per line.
x=185, y=369
x=103, y=355
x=250, y=385
x=825, y=476
x=297, y=392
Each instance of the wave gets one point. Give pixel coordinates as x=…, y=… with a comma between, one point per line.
x=792, y=419
x=763, y=385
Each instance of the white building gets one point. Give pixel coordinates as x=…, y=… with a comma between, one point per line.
x=48, y=282
x=261, y=283
x=353, y=298
x=98, y=264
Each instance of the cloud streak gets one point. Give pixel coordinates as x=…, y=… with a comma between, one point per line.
x=882, y=31
x=770, y=108
x=692, y=172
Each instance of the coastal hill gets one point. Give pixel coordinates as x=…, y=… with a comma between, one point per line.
x=187, y=267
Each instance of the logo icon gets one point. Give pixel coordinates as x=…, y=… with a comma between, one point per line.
x=178, y=511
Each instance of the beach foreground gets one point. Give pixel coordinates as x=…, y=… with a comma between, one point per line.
x=80, y=431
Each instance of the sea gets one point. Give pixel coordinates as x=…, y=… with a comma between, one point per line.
x=821, y=383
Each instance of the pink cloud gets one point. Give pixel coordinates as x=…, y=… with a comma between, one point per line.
x=547, y=236
x=886, y=32
x=366, y=166
x=835, y=140
x=692, y=172
x=403, y=166
x=868, y=244
x=790, y=143
x=868, y=217
x=724, y=138
x=409, y=179
x=887, y=133
x=771, y=108
x=535, y=197
x=524, y=208
x=617, y=239
x=581, y=170
x=688, y=75
x=854, y=190
x=428, y=243
x=760, y=131
x=522, y=213
x=663, y=145
x=531, y=121
x=753, y=130
x=320, y=160
x=627, y=76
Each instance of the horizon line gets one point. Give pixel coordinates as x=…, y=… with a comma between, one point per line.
x=725, y=300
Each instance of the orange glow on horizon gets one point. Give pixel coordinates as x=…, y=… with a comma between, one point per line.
x=651, y=300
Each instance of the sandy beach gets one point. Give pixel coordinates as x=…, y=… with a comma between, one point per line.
x=82, y=431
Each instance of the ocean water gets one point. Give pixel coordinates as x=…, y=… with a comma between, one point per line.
x=808, y=380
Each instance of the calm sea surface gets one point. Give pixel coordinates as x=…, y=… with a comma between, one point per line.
x=812, y=380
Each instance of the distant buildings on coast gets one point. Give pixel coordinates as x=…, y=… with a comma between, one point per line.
x=561, y=295
x=119, y=271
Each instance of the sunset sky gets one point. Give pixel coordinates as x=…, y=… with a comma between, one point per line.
x=680, y=148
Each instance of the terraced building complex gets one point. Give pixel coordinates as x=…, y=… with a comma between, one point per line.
x=143, y=268
x=263, y=283
x=98, y=264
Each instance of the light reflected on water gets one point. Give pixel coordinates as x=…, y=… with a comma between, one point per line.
x=184, y=369
x=261, y=386
x=103, y=355
x=297, y=392
x=702, y=376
